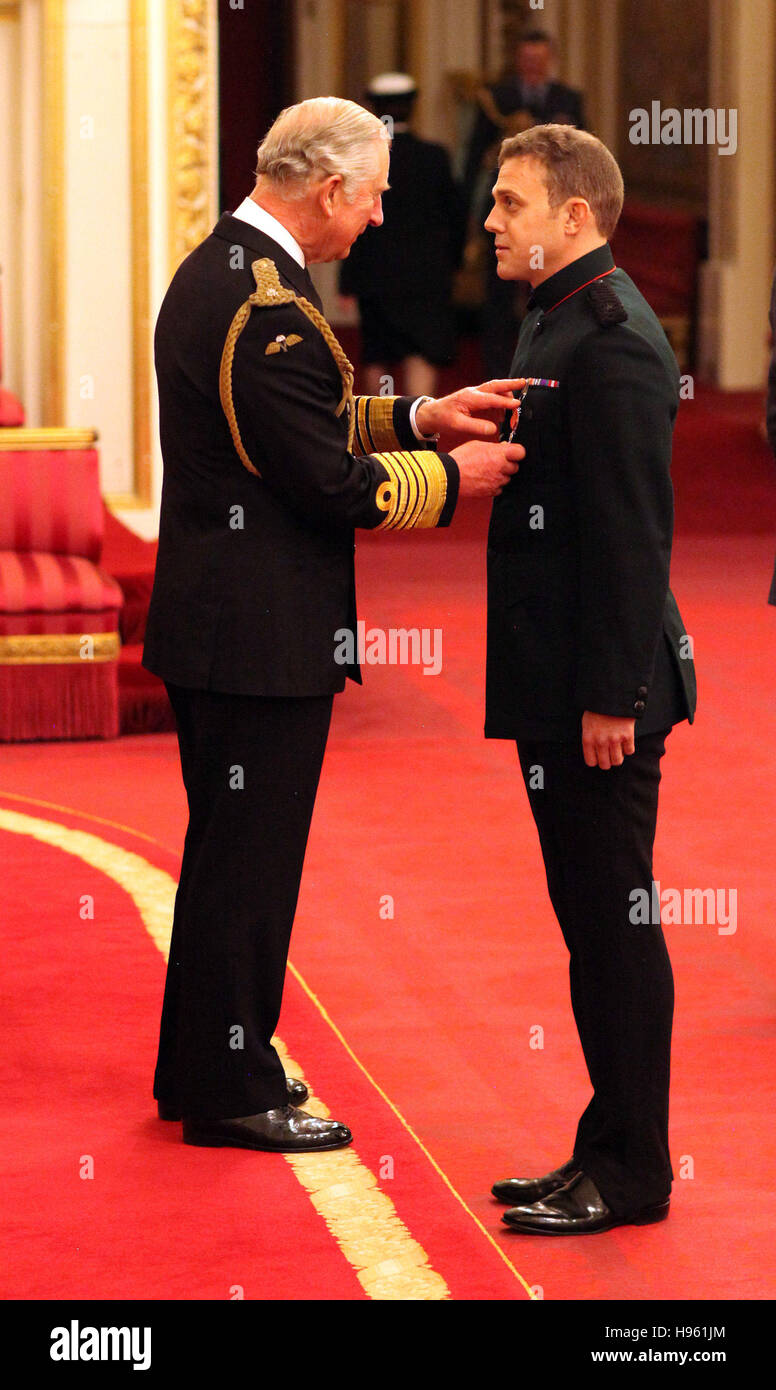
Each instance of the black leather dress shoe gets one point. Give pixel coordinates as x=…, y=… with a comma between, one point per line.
x=522, y=1191
x=297, y=1095
x=282, y=1131
x=578, y=1209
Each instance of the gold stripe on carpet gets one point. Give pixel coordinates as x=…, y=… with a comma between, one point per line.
x=388, y=1262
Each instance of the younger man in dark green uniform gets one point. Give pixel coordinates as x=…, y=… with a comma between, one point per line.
x=588, y=662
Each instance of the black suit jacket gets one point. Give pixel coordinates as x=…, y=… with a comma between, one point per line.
x=255, y=575
x=413, y=255
x=580, y=615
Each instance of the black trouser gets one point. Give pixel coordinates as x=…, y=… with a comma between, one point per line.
x=597, y=830
x=250, y=767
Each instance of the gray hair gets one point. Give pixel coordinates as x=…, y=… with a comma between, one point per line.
x=321, y=136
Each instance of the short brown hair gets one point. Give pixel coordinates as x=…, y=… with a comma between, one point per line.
x=576, y=164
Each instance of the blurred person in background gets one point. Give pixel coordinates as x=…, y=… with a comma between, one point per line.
x=401, y=274
x=525, y=97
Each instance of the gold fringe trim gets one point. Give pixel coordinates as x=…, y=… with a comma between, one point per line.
x=416, y=491
x=57, y=648
x=269, y=293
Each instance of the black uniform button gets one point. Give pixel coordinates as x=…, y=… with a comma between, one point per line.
x=639, y=708
x=642, y=692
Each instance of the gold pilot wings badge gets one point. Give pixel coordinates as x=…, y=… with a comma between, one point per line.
x=282, y=343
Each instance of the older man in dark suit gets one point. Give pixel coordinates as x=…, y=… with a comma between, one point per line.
x=589, y=666
x=269, y=465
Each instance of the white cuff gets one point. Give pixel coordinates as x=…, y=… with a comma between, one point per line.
x=413, y=413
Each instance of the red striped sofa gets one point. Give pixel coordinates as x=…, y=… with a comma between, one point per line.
x=59, y=612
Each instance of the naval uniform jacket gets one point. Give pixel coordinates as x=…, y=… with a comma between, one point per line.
x=580, y=614
x=255, y=570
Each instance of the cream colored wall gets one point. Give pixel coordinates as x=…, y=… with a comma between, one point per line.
x=158, y=238
x=11, y=201
x=451, y=33
x=97, y=252
x=21, y=240
x=737, y=279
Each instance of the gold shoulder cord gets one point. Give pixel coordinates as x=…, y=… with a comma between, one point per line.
x=488, y=105
x=268, y=294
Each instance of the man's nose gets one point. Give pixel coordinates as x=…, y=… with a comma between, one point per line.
x=377, y=216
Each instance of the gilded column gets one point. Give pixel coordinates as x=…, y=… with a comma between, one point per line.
x=192, y=80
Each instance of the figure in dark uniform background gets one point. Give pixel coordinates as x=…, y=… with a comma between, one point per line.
x=526, y=97
x=589, y=665
x=401, y=273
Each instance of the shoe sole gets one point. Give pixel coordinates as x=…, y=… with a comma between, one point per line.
x=649, y=1216
x=265, y=1148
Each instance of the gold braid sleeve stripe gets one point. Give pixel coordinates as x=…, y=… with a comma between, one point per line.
x=416, y=491
x=269, y=293
x=374, y=423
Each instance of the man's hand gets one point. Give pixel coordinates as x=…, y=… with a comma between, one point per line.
x=486, y=468
x=468, y=411
x=606, y=740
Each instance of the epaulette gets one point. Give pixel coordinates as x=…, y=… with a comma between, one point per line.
x=606, y=304
x=269, y=294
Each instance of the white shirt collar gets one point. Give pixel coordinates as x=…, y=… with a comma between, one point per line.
x=249, y=211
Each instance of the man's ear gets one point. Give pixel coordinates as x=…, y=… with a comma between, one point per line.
x=327, y=194
x=578, y=216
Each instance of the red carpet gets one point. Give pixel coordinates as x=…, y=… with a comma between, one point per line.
x=157, y=1219
x=414, y=1028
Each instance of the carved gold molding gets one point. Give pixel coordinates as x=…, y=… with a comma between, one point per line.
x=55, y=237
x=141, y=294
x=191, y=123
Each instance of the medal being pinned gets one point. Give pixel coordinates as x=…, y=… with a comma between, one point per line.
x=514, y=419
